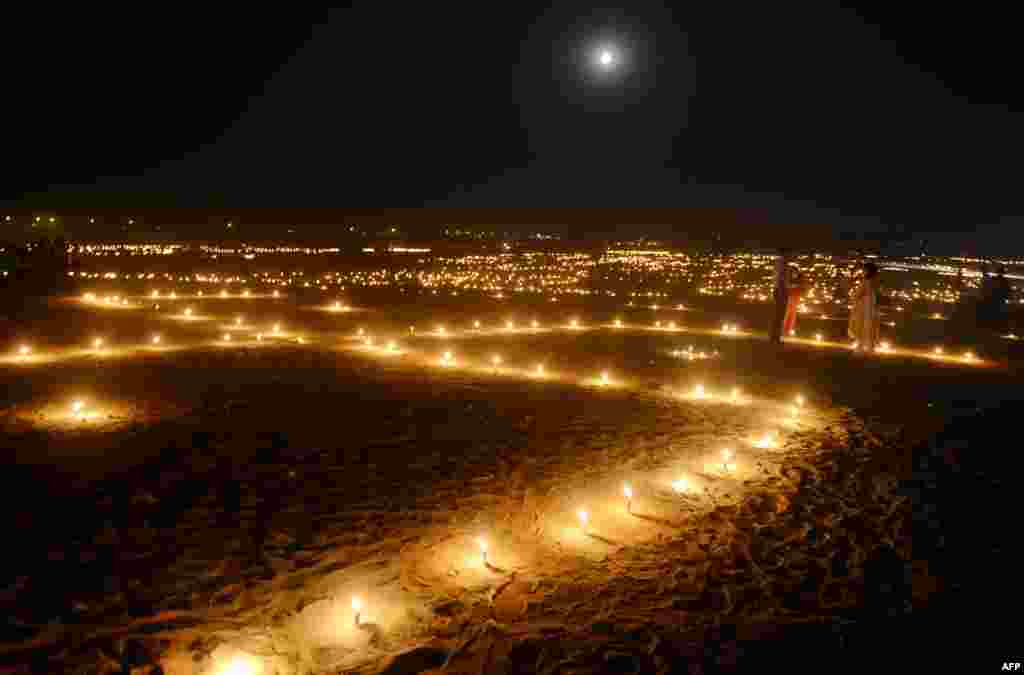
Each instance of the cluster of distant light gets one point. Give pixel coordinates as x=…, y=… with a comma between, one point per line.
x=624, y=271
x=268, y=250
x=128, y=249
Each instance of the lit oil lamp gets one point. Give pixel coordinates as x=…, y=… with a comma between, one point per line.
x=188, y=312
x=368, y=341
x=24, y=351
x=540, y=370
x=735, y=395
x=227, y=337
x=174, y=296
x=476, y=325
x=90, y=297
x=657, y=324
x=680, y=485
x=627, y=492
x=496, y=360
x=97, y=343
x=535, y=324
x=509, y=325
x=238, y=321
x=200, y=294
x=969, y=356
x=618, y=323
x=277, y=329
x=301, y=340
x=156, y=339
x=483, y=550
x=792, y=332
x=440, y=330
x=77, y=407
x=245, y=294
x=155, y=294
x=937, y=351
x=605, y=379
x=584, y=518
x=800, y=400
x=447, y=360
x=337, y=307
x=223, y=294
x=360, y=332
x=574, y=324
x=817, y=337
x=276, y=294
x=357, y=607
x=671, y=325
x=392, y=346
x=726, y=456
x=698, y=391
x=259, y=337
x=884, y=346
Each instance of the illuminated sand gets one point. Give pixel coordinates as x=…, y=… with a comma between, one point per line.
x=395, y=466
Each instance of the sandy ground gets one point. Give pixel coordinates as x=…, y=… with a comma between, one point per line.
x=229, y=502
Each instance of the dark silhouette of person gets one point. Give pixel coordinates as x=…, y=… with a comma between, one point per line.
x=781, y=295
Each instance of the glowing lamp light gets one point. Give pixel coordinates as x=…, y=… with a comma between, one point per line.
x=174, y=296
x=618, y=323
x=855, y=345
x=301, y=340
x=368, y=341
x=735, y=395
x=440, y=330
x=969, y=356
x=884, y=346
x=200, y=294
x=726, y=456
x=817, y=337
x=337, y=307
x=223, y=294
x=155, y=294
x=227, y=337
x=392, y=346
x=535, y=323
x=496, y=360
x=245, y=294
x=584, y=517
x=792, y=332
x=540, y=370
x=360, y=332
x=509, y=325
x=483, y=549
x=605, y=379
x=156, y=339
x=800, y=400
x=188, y=311
x=124, y=302
x=766, y=442
x=698, y=391
x=275, y=294
x=657, y=324
x=671, y=325
x=259, y=337
x=357, y=608
x=938, y=351
x=574, y=324
x=680, y=485
x=24, y=351
x=77, y=407
x=476, y=325
x=238, y=321
x=97, y=343
x=627, y=492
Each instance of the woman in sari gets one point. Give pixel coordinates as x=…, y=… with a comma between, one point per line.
x=795, y=290
x=864, y=319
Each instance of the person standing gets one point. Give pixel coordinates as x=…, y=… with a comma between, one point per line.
x=795, y=294
x=779, y=315
x=864, y=319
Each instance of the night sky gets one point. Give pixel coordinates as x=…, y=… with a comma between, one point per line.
x=863, y=119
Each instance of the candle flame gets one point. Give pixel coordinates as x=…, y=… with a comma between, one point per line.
x=227, y=338
x=356, y=604
x=156, y=339
x=618, y=323
x=680, y=485
x=582, y=513
x=476, y=324
x=698, y=391
x=25, y=349
x=482, y=543
x=496, y=360
x=817, y=337
x=97, y=343
x=938, y=351
x=77, y=406
x=604, y=377
x=627, y=491
x=535, y=323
